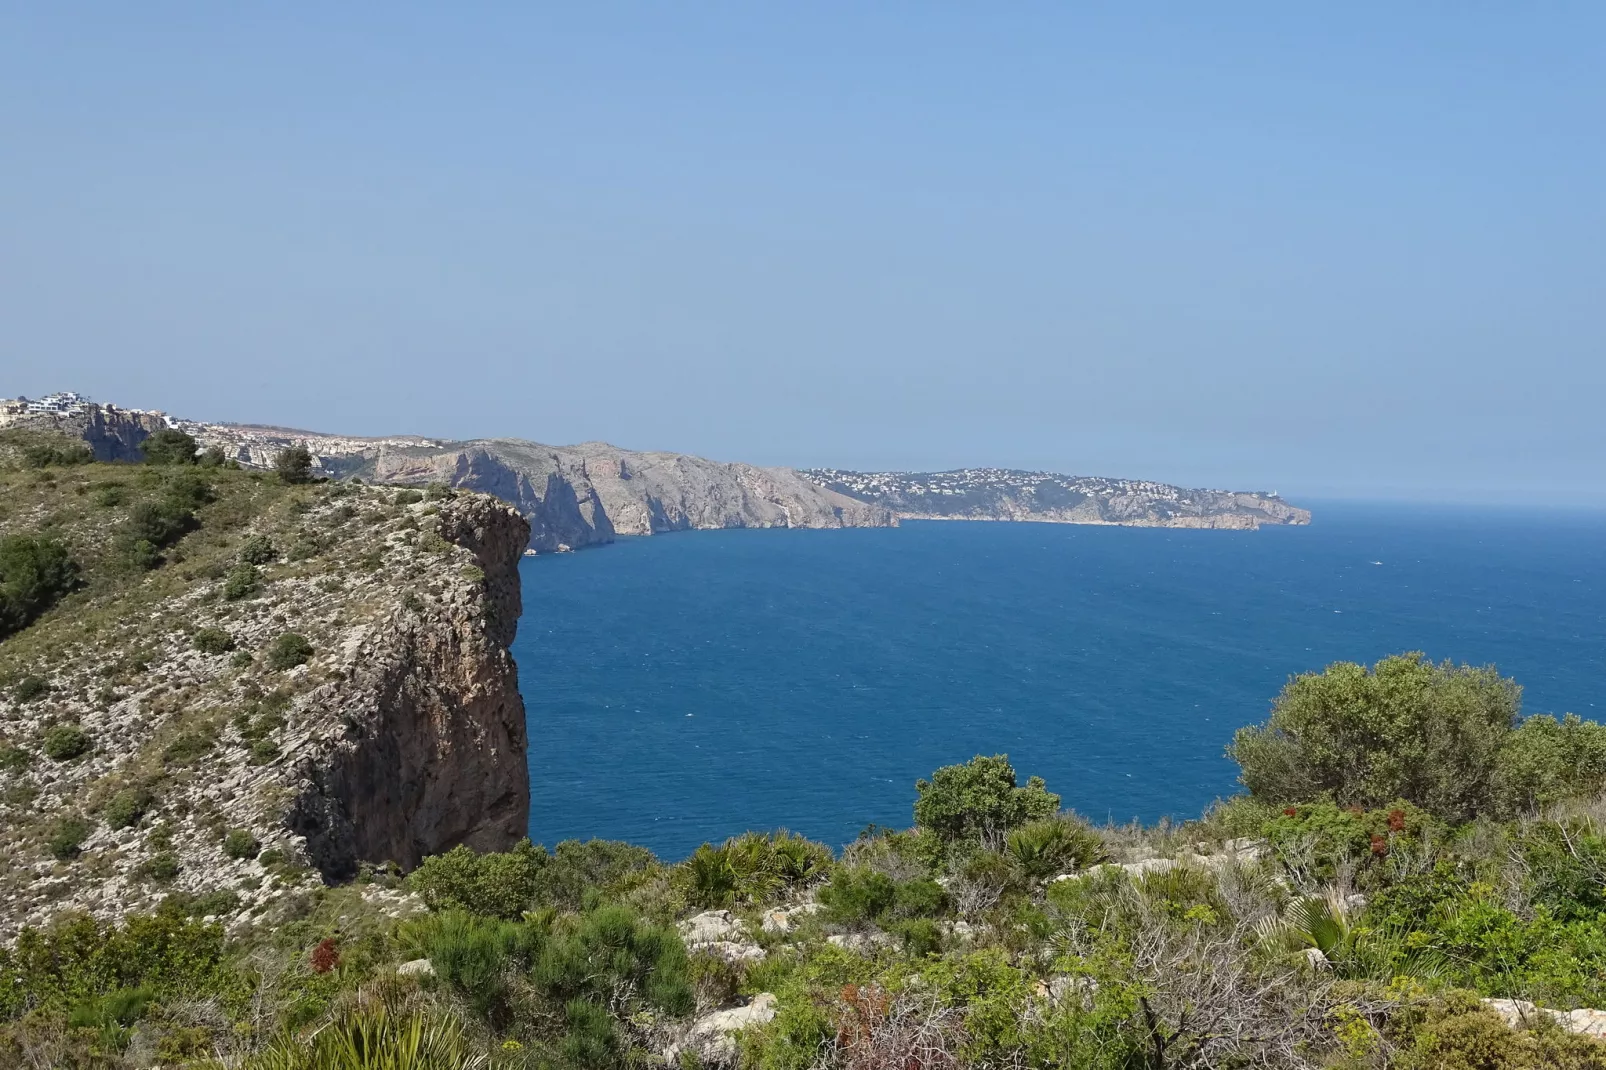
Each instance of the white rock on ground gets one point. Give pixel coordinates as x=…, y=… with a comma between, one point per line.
x=416, y=968
x=865, y=943
x=784, y=921
x=712, y=1038
x=718, y=933
x=1520, y=1014
x=710, y=926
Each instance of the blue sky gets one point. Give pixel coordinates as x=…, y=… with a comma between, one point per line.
x=1353, y=252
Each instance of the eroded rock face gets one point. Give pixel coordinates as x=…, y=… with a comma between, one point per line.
x=432, y=748
x=399, y=734
x=576, y=496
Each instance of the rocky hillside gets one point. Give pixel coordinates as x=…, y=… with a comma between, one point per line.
x=230, y=687
x=583, y=495
x=1008, y=494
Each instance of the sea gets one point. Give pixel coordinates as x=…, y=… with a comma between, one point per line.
x=688, y=687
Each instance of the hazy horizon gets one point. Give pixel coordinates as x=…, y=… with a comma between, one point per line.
x=1347, y=255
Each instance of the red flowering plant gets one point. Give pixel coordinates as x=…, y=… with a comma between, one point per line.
x=325, y=956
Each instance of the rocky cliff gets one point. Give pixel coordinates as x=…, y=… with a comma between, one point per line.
x=583, y=495
x=230, y=730
x=113, y=434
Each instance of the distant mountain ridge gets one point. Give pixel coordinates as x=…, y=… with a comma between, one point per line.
x=585, y=495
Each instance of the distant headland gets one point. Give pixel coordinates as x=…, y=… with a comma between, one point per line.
x=585, y=495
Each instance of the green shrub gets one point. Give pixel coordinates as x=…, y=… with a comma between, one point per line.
x=49, y=451
x=373, y=1036
x=212, y=641
x=294, y=465
x=14, y=759
x=150, y=528
x=1546, y=760
x=240, y=844
x=81, y=958
x=64, y=742
x=187, y=747
x=243, y=581
x=66, y=837
x=30, y=688
x=127, y=807
x=495, y=884
x=241, y=659
x=979, y=800
x=438, y=492
x=168, y=446
x=1406, y=729
x=35, y=573
x=161, y=866
x=858, y=896
x=476, y=955
x=110, y=494
x=1053, y=845
x=752, y=868
x=408, y=497
x=288, y=651
x=257, y=550
x=579, y=869
x=188, y=490
x=610, y=949
x=264, y=751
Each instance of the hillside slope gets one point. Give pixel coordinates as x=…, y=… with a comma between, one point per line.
x=252, y=687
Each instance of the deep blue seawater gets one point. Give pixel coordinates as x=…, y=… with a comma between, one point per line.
x=687, y=687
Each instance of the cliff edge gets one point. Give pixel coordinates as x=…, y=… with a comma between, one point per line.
x=282, y=685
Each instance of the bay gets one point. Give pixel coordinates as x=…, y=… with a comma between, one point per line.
x=687, y=687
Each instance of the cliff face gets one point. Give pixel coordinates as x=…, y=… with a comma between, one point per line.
x=562, y=508
x=113, y=434
x=429, y=751
x=577, y=496
x=391, y=730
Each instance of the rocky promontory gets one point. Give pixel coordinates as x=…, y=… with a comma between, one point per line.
x=249, y=687
x=1048, y=497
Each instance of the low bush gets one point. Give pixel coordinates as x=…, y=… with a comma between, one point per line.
x=64, y=742
x=1053, y=845
x=35, y=572
x=288, y=651
x=168, y=446
x=257, y=550
x=187, y=747
x=30, y=688
x=161, y=866
x=212, y=641
x=495, y=884
x=243, y=581
x=408, y=497
x=753, y=868
x=127, y=807
x=240, y=844
x=980, y=801
x=66, y=837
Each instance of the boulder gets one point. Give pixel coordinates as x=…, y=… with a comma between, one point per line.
x=712, y=1038
x=784, y=921
x=862, y=943
x=711, y=926
x=1520, y=1014
x=416, y=968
